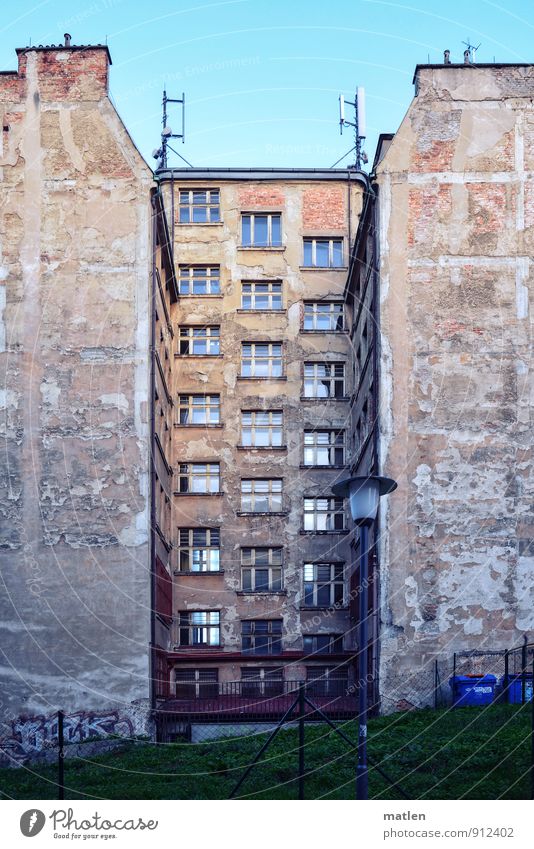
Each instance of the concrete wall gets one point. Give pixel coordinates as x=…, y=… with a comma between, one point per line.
x=457, y=233
x=74, y=275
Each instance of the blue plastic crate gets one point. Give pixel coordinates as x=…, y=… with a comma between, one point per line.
x=515, y=696
x=472, y=690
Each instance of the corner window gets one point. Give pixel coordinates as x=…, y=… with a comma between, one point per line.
x=199, y=409
x=324, y=447
x=199, y=206
x=261, y=230
x=324, y=380
x=323, y=584
x=323, y=253
x=323, y=643
x=324, y=514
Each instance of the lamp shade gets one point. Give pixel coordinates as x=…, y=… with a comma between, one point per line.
x=364, y=494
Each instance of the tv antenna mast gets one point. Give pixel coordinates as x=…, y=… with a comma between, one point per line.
x=471, y=50
x=358, y=124
x=160, y=153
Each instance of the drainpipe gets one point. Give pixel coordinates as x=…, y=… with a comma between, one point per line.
x=153, y=665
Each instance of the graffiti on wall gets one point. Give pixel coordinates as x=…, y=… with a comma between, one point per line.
x=30, y=734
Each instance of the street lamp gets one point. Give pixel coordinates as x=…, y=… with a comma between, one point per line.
x=364, y=494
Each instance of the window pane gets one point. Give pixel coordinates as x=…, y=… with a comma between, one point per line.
x=308, y=252
x=261, y=230
x=321, y=254
x=276, y=235
x=246, y=230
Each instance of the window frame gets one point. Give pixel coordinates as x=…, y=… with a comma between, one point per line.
x=190, y=475
x=211, y=546
x=273, y=638
x=269, y=216
x=187, y=408
x=334, y=585
x=274, y=569
x=187, y=624
x=270, y=295
x=194, y=687
x=332, y=447
x=311, y=311
x=270, y=495
x=262, y=681
x=328, y=681
x=272, y=428
x=334, y=646
x=331, y=379
x=208, y=205
x=209, y=277
x=211, y=339
x=335, y=507
x=330, y=241
x=270, y=359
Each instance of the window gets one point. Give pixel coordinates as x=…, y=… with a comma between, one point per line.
x=200, y=628
x=199, y=206
x=323, y=315
x=324, y=380
x=324, y=514
x=199, y=550
x=199, y=477
x=199, y=280
x=262, y=682
x=261, y=230
x=200, y=341
x=261, y=296
x=261, y=429
x=324, y=447
x=197, y=683
x=261, y=570
x=323, y=643
x=327, y=680
x=261, y=636
x=323, y=253
x=323, y=584
x=261, y=496
x=199, y=409
x=261, y=359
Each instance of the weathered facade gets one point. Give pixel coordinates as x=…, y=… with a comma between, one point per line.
x=455, y=236
x=261, y=385
x=75, y=261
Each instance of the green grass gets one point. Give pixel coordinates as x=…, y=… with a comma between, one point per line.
x=467, y=753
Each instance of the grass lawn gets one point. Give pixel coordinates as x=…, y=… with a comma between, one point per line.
x=469, y=753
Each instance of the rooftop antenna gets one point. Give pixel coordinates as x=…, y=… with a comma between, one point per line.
x=469, y=56
x=160, y=153
x=359, y=126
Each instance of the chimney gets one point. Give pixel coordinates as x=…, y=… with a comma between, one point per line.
x=67, y=36
x=446, y=57
x=467, y=57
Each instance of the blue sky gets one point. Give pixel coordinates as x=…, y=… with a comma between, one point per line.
x=262, y=78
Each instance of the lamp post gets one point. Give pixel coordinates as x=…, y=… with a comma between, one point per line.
x=364, y=494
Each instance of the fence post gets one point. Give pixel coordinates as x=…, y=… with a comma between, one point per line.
x=436, y=684
x=60, y=756
x=507, y=676
x=523, y=669
x=301, y=740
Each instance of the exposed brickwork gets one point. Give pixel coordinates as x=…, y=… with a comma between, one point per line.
x=261, y=197
x=323, y=209
x=426, y=207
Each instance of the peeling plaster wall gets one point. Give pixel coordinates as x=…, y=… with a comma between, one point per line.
x=74, y=314
x=307, y=209
x=456, y=237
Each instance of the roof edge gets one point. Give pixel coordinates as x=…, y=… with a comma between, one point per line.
x=472, y=65
x=240, y=174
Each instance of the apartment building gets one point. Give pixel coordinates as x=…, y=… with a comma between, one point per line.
x=261, y=383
